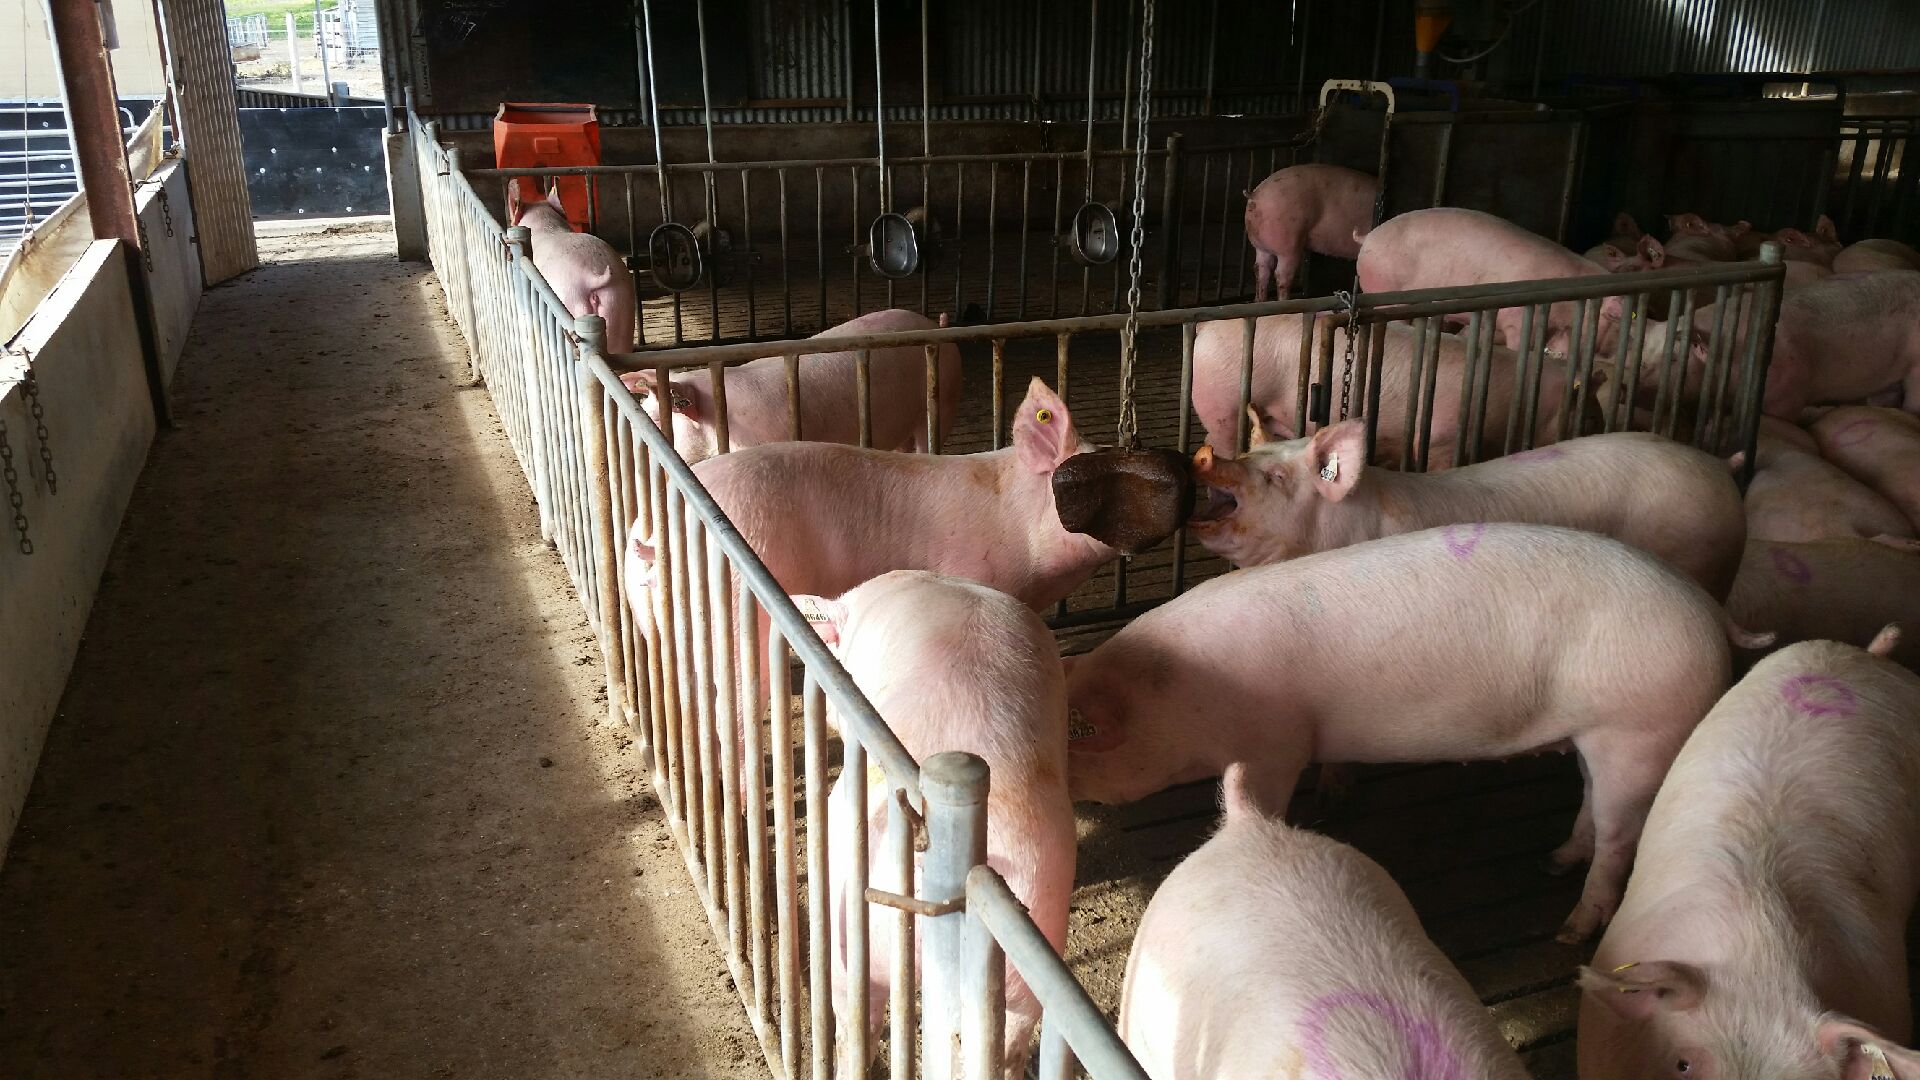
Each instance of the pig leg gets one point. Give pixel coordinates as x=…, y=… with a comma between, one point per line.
x=1263, y=263
x=1626, y=773
x=1579, y=846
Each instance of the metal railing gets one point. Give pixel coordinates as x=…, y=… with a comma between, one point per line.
x=1877, y=181
x=715, y=722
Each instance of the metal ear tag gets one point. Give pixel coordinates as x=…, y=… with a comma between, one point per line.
x=1877, y=1059
x=810, y=610
x=1331, y=470
x=1077, y=726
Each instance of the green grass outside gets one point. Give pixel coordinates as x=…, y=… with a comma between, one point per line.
x=275, y=11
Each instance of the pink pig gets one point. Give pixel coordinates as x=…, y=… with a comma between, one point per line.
x=1836, y=590
x=1764, y=932
x=1447, y=246
x=1275, y=952
x=1285, y=500
x=757, y=410
x=826, y=517
x=1691, y=236
x=1843, y=339
x=953, y=665
x=1880, y=448
x=1217, y=355
x=583, y=271
x=1822, y=245
x=1325, y=209
x=1863, y=256
x=1797, y=496
x=1470, y=642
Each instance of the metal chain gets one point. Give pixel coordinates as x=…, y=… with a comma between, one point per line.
x=1346, y=299
x=39, y=414
x=14, y=498
x=1129, y=334
x=146, y=249
x=166, y=211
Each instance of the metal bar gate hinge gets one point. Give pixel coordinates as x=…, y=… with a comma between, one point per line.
x=929, y=908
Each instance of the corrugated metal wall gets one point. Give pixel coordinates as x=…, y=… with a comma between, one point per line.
x=209, y=125
x=1658, y=37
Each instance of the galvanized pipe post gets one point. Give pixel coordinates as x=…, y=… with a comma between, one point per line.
x=93, y=116
x=592, y=332
x=1771, y=254
x=954, y=786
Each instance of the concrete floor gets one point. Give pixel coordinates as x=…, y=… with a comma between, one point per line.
x=330, y=793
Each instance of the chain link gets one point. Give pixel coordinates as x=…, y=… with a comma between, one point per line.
x=1129, y=334
x=1346, y=299
x=166, y=211
x=146, y=249
x=39, y=413
x=14, y=498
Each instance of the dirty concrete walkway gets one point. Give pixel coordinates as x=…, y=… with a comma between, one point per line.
x=330, y=794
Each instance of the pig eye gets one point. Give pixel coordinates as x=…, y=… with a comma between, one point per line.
x=1045, y=416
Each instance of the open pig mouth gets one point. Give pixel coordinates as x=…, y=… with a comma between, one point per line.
x=1220, y=505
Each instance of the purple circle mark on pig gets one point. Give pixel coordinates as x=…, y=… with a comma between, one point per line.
x=1538, y=453
x=1462, y=539
x=1790, y=566
x=1429, y=1056
x=1819, y=695
x=1857, y=432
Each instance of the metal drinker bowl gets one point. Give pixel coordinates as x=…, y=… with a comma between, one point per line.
x=675, y=255
x=1094, y=237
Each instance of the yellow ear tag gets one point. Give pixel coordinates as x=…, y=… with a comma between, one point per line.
x=876, y=778
x=1624, y=967
x=1045, y=416
x=1331, y=470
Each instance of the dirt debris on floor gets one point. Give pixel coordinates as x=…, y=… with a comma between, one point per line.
x=331, y=793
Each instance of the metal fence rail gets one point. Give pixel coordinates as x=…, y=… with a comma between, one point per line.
x=715, y=717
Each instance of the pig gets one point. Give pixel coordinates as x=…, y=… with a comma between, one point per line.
x=1865, y=255
x=1821, y=246
x=1217, y=353
x=1763, y=936
x=1326, y=209
x=955, y=666
x=1650, y=254
x=757, y=410
x=825, y=517
x=584, y=271
x=1839, y=590
x=1285, y=500
x=1624, y=238
x=1449, y=246
x=1694, y=237
x=1797, y=496
x=1842, y=339
x=1879, y=447
x=1472, y=641
x=1273, y=952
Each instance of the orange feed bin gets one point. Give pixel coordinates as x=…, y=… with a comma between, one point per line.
x=536, y=135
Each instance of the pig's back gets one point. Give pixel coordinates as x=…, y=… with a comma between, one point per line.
x=1272, y=945
x=1492, y=625
x=1451, y=246
x=1838, y=590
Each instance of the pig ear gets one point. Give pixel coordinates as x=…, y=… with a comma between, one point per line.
x=1611, y=255
x=1825, y=230
x=827, y=617
x=1624, y=225
x=1645, y=991
x=1337, y=454
x=1864, y=1050
x=553, y=199
x=638, y=382
x=1043, y=430
x=1256, y=428
x=1653, y=251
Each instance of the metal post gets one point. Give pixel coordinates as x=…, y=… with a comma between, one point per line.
x=320, y=46
x=1170, y=226
x=954, y=786
x=1213, y=56
x=93, y=116
x=1771, y=253
x=1379, y=37
x=592, y=332
x=293, y=51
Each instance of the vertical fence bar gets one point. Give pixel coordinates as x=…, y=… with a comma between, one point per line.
x=1303, y=365
x=818, y=915
x=1421, y=328
x=856, y=1031
x=999, y=389
x=753, y=803
x=1241, y=422
x=863, y=394
x=820, y=241
x=1170, y=225
x=785, y=874
x=1188, y=331
x=993, y=234
x=1026, y=198
x=593, y=336
x=786, y=264
x=793, y=398
x=902, y=1022
x=933, y=399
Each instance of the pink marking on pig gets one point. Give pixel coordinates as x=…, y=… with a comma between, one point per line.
x=1790, y=566
x=1432, y=1060
x=1538, y=453
x=1857, y=432
x=1819, y=695
x=1462, y=539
